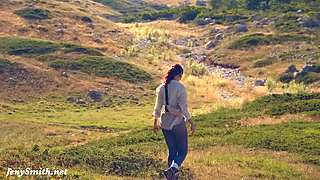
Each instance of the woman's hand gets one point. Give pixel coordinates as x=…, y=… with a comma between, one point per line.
x=155, y=128
x=192, y=126
x=175, y=111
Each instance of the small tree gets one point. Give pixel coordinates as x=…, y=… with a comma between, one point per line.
x=271, y=84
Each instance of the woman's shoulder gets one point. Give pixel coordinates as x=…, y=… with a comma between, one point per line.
x=160, y=88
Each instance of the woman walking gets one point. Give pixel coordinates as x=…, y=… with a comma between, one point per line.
x=172, y=95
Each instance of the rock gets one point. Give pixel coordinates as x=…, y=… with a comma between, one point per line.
x=291, y=69
x=259, y=25
x=64, y=74
x=299, y=11
x=260, y=82
x=201, y=3
x=90, y=25
x=202, y=22
x=140, y=88
x=80, y=101
x=17, y=100
x=230, y=19
x=71, y=99
x=295, y=74
x=95, y=95
x=254, y=17
x=99, y=41
x=264, y=21
x=240, y=28
x=305, y=69
x=60, y=32
x=310, y=23
x=209, y=45
x=132, y=97
x=186, y=51
x=260, y=73
x=86, y=19
x=218, y=37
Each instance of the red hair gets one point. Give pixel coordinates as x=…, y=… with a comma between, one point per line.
x=175, y=69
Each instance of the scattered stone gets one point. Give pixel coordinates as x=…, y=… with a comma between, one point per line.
x=71, y=99
x=80, y=101
x=264, y=21
x=132, y=97
x=260, y=73
x=90, y=25
x=86, y=19
x=241, y=28
x=209, y=45
x=17, y=100
x=299, y=11
x=218, y=37
x=230, y=19
x=99, y=41
x=291, y=69
x=201, y=3
x=64, y=74
x=95, y=95
x=260, y=82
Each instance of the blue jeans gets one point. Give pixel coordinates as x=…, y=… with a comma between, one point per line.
x=177, y=142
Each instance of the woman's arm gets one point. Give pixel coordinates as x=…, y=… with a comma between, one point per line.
x=158, y=104
x=183, y=103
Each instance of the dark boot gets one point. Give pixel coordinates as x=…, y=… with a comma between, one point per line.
x=171, y=173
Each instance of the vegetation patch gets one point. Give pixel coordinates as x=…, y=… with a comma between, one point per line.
x=263, y=63
x=299, y=137
x=105, y=67
x=262, y=39
x=7, y=66
x=30, y=13
x=30, y=46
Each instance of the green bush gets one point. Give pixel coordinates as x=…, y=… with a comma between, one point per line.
x=298, y=137
x=29, y=46
x=8, y=66
x=81, y=49
x=263, y=63
x=20, y=46
x=294, y=107
x=286, y=78
x=261, y=39
x=30, y=13
x=104, y=67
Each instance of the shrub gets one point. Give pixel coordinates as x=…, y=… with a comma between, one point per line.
x=81, y=49
x=263, y=63
x=286, y=78
x=261, y=39
x=104, y=67
x=188, y=13
x=20, y=46
x=30, y=13
x=294, y=107
x=8, y=66
x=86, y=19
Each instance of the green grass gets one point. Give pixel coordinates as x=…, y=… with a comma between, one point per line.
x=105, y=67
x=31, y=13
x=30, y=46
x=262, y=39
x=135, y=153
x=302, y=138
x=263, y=63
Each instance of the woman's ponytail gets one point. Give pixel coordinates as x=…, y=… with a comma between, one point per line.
x=175, y=69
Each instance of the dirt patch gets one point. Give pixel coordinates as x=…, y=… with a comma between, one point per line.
x=95, y=128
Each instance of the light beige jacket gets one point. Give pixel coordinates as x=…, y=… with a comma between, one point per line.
x=177, y=99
